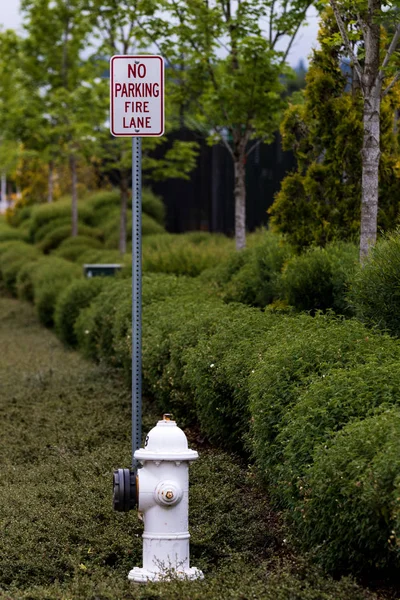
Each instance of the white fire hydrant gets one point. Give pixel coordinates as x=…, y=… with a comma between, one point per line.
x=163, y=503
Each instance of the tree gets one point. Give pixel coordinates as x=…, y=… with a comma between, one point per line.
x=115, y=25
x=376, y=71
x=65, y=85
x=227, y=68
x=323, y=127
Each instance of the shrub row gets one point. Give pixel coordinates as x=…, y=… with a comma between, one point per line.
x=292, y=390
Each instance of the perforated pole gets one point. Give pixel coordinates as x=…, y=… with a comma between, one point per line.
x=136, y=296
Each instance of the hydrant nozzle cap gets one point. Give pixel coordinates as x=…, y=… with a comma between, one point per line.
x=166, y=441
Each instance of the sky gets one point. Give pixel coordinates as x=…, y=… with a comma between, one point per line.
x=305, y=41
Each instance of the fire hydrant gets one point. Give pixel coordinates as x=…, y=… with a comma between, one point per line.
x=162, y=490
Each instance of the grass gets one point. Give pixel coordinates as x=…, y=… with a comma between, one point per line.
x=64, y=426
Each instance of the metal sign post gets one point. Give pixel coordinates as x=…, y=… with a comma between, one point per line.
x=137, y=111
x=136, y=296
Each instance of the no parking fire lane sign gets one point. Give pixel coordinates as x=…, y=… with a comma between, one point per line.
x=137, y=96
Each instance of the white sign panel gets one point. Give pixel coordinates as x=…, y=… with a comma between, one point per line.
x=137, y=96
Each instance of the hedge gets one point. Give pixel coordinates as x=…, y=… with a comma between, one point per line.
x=49, y=281
x=53, y=239
x=319, y=278
x=299, y=350
x=350, y=514
x=71, y=301
x=375, y=288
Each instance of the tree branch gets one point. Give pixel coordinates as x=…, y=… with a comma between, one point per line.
x=346, y=40
x=391, y=84
x=256, y=144
x=389, y=53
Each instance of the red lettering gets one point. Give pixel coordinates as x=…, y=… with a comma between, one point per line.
x=148, y=126
x=145, y=107
x=135, y=70
x=117, y=88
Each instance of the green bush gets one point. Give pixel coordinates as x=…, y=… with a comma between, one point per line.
x=20, y=214
x=351, y=497
x=50, y=226
x=375, y=288
x=319, y=278
x=297, y=351
x=92, y=256
x=111, y=229
x=94, y=326
x=8, y=233
x=325, y=407
x=24, y=281
x=45, y=213
x=253, y=275
x=180, y=255
x=217, y=368
x=53, y=239
x=74, y=298
x=153, y=206
x=13, y=260
x=49, y=281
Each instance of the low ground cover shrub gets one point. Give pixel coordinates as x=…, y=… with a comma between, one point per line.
x=375, y=288
x=319, y=278
x=351, y=497
x=73, y=248
x=74, y=298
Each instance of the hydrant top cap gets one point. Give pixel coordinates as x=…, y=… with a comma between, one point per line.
x=166, y=441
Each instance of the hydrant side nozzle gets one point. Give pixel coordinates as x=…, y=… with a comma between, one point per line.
x=125, y=490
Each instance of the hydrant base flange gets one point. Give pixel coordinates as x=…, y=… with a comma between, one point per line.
x=140, y=575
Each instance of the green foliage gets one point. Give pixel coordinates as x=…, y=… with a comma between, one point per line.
x=49, y=281
x=24, y=281
x=50, y=226
x=325, y=406
x=319, y=278
x=8, y=233
x=74, y=298
x=296, y=352
x=13, y=256
x=45, y=213
x=320, y=202
x=253, y=275
x=111, y=229
x=184, y=254
x=79, y=431
x=351, y=508
x=375, y=288
x=53, y=239
x=94, y=326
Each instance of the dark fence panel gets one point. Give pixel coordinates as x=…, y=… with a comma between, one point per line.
x=206, y=202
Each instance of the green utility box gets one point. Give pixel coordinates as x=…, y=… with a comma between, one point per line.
x=101, y=270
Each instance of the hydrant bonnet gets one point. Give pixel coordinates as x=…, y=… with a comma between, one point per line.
x=166, y=441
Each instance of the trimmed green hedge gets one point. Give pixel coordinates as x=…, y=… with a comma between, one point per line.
x=72, y=300
x=49, y=281
x=319, y=278
x=350, y=513
x=375, y=288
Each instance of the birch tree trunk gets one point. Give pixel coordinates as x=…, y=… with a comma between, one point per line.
x=74, y=206
x=240, y=200
x=372, y=88
x=50, y=184
x=123, y=214
x=370, y=174
x=4, y=190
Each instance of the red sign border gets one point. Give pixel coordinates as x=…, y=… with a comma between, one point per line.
x=134, y=57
